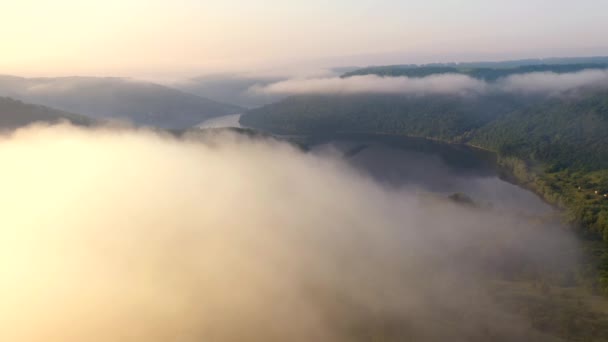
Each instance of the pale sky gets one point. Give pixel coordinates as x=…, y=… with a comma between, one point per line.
x=174, y=38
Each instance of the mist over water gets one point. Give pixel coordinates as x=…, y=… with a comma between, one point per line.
x=132, y=235
x=223, y=121
x=433, y=167
x=548, y=83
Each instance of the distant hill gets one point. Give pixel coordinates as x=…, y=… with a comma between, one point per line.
x=565, y=132
x=237, y=88
x=565, y=129
x=555, y=145
x=142, y=103
x=231, y=88
x=449, y=117
x=14, y=114
x=488, y=71
x=568, y=130
x=508, y=64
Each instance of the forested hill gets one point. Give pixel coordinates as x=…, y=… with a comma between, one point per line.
x=141, y=103
x=554, y=145
x=447, y=117
x=567, y=132
x=552, y=130
x=596, y=61
x=477, y=71
x=14, y=114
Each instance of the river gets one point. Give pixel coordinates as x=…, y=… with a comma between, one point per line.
x=423, y=166
x=429, y=166
x=221, y=121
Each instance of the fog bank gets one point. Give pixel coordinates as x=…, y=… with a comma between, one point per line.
x=434, y=84
x=549, y=83
x=123, y=235
x=554, y=83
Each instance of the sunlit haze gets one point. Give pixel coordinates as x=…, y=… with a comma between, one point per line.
x=303, y=170
x=181, y=38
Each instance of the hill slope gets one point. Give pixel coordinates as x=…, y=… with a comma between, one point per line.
x=448, y=117
x=489, y=71
x=564, y=132
x=568, y=131
x=555, y=146
x=231, y=88
x=14, y=114
x=140, y=102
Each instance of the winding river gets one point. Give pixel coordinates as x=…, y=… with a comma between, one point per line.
x=422, y=165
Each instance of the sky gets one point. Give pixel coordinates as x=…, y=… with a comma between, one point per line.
x=175, y=38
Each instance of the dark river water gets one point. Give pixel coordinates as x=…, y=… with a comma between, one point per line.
x=424, y=166
x=428, y=166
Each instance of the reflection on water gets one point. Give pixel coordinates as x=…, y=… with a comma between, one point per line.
x=434, y=167
x=221, y=122
x=423, y=165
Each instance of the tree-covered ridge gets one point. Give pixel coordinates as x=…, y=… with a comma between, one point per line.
x=482, y=73
x=104, y=98
x=565, y=132
x=14, y=114
x=503, y=64
x=556, y=146
x=448, y=117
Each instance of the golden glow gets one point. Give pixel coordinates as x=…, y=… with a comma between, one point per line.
x=139, y=37
x=124, y=235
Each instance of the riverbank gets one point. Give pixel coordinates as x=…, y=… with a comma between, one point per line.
x=571, y=193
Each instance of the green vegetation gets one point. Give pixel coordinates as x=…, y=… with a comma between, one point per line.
x=445, y=117
x=483, y=73
x=567, y=312
x=580, y=194
x=555, y=146
x=559, y=149
x=555, y=132
x=557, y=63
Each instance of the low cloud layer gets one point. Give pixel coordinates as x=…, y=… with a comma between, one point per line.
x=553, y=83
x=435, y=84
x=121, y=235
x=532, y=83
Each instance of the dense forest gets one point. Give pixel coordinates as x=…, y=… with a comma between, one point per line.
x=556, y=146
x=553, y=131
x=486, y=73
x=554, y=61
x=448, y=117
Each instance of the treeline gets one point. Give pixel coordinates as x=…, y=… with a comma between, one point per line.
x=557, y=146
x=565, y=132
x=483, y=73
x=448, y=117
x=601, y=60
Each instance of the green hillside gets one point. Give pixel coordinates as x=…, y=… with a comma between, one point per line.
x=565, y=132
x=449, y=117
x=479, y=72
x=555, y=146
